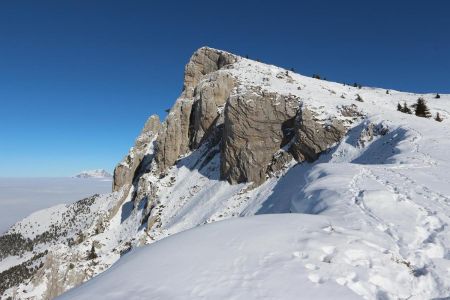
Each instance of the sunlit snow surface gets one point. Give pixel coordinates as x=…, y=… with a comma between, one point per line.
x=19, y=197
x=262, y=257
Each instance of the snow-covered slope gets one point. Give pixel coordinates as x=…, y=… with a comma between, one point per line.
x=369, y=217
x=263, y=257
x=98, y=173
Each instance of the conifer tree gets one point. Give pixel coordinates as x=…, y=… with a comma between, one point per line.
x=422, y=109
x=92, y=254
x=406, y=109
x=438, y=117
x=399, y=107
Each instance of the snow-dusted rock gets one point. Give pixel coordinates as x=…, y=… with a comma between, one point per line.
x=312, y=138
x=251, y=122
x=257, y=124
x=204, y=61
x=211, y=95
x=125, y=171
x=176, y=131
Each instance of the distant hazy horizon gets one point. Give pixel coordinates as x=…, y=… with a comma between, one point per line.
x=20, y=197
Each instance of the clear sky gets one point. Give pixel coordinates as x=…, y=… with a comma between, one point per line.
x=78, y=78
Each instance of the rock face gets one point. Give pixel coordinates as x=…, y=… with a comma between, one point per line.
x=204, y=61
x=312, y=138
x=252, y=123
x=211, y=94
x=174, y=137
x=126, y=169
x=256, y=126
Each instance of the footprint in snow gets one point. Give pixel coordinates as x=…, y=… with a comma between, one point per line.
x=316, y=278
x=311, y=267
x=299, y=254
x=328, y=249
x=329, y=253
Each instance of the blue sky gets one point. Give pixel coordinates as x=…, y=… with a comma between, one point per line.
x=79, y=78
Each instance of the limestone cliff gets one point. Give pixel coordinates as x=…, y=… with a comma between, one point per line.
x=250, y=123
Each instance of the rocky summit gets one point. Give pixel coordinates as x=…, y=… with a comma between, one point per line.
x=246, y=123
x=247, y=138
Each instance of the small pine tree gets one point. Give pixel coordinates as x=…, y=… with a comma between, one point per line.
x=422, y=109
x=359, y=98
x=292, y=70
x=246, y=56
x=437, y=96
x=387, y=92
x=399, y=107
x=92, y=254
x=406, y=109
x=355, y=85
x=359, y=86
x=438, y=118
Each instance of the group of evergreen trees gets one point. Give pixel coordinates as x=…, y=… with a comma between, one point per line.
x=420, y=109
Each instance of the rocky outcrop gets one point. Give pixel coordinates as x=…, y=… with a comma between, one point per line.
x=204, y=61
x=126, y=169
x=255, y=127
x=370, y=132
x=312, y=137
x=210, y=97
x=280, y=162
x=174, y=137
x=251, y=123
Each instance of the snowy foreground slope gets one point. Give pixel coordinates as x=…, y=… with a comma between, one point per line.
x=364, y=214
x=263, y=257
